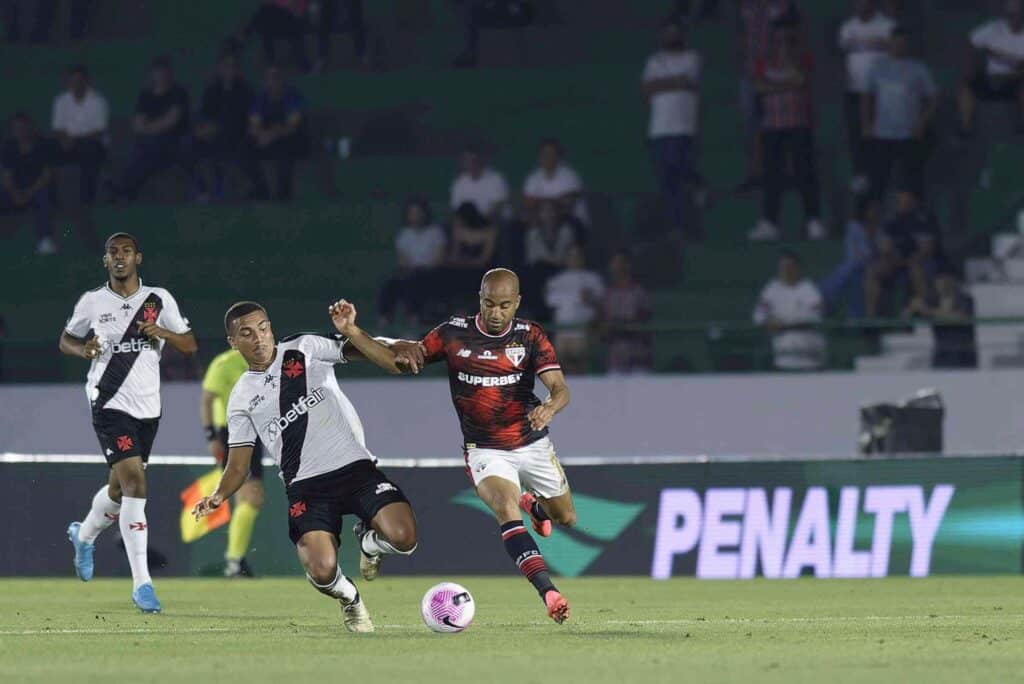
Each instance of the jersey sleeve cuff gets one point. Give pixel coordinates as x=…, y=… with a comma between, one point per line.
x=241, y=444
x=549, y=367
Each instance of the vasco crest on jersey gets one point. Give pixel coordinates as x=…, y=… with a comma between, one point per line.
x=515, y=353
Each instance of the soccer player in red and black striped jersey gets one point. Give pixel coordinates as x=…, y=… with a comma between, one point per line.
x=493, y=360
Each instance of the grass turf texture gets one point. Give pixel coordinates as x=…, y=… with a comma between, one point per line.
x=622, y=630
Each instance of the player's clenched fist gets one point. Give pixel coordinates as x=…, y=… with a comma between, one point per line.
x=343, y=315
x=410, y=357
x=93, y=347
x=206, y=505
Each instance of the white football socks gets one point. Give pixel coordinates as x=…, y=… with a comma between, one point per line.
x=135, y=532
x=102, y=515
x=340, y=588
x=373, y=544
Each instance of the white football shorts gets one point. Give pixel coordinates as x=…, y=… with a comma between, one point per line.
x=534, y=467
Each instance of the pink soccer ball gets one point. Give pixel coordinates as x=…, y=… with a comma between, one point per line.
x=447, y=607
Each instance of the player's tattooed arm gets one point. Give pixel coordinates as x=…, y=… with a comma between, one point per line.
x=541, y=416
x=74, y=346
x=235, y=473
x=343, y=315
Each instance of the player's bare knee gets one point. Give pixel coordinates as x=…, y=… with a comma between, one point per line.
x=322, y=571
x=403, y=538
x=133, y=484
x=566, y=518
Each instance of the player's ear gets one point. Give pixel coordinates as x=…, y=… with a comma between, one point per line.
x=138, y=258
x=231, y=342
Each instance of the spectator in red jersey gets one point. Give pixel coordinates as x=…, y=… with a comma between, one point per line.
x=756, y=18
x=784, y=81
x=626, y=303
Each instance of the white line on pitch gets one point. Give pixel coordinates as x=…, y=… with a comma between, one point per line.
x=140, y=630
x=766, y=620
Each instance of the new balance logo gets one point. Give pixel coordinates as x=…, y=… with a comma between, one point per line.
x=297, y=509
x=385, y=487
x=465, y=353
x=137, y=526
x=301, y=407
x=124, y=443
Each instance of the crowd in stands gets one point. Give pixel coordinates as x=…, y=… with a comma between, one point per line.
x=542, y=228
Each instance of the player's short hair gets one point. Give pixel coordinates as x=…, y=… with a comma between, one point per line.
x=237, y=310
x=78, y=70
x=126, y=236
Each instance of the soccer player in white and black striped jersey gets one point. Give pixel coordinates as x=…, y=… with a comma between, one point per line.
x=122, y=328
x=291, y=402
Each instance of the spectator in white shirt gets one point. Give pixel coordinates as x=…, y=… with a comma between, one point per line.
x=670, y=84
x=547, y=246
x=479, y=184
x=80, y=121
x=549, y=239
x=995, y=64
x=574, y=297
x=554, y=179
x=864, y=38
x=787, y=308
x=420, y=247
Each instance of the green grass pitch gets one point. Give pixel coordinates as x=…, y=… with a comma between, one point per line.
x=622, y=630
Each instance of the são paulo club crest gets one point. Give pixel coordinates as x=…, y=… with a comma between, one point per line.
x=515, y=353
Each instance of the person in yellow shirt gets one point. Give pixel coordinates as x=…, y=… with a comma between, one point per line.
x=220, y=378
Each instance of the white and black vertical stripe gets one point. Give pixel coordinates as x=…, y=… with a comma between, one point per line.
x=294, y=436
x=120, y=364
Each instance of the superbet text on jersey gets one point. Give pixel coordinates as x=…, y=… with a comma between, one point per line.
x=492, y=378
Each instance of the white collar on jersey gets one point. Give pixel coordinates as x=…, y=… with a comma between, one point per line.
x=484, y=332
x=106, y=286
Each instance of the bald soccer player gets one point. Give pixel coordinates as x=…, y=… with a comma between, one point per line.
x=493, y=360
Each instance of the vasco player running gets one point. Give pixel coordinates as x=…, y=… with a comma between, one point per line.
x=493, y=359
x=290, y=400
x=130, y=324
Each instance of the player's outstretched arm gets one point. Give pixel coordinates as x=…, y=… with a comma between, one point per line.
x=74, y=346
x=343, y=315
x=558, y=399
x=410, y=356
x=235, y=473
